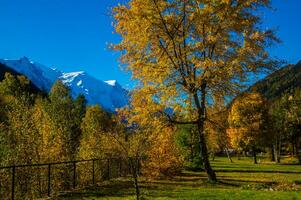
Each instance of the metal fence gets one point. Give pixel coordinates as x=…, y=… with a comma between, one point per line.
x=41, y=180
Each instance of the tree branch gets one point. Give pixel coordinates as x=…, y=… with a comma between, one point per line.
x=171, y=120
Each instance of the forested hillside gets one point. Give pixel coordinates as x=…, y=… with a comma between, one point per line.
x=282, y=81
x=4, y=69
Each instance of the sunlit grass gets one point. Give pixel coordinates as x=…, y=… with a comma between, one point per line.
x=238, y=180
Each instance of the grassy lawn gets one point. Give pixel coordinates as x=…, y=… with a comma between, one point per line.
x=238, y=180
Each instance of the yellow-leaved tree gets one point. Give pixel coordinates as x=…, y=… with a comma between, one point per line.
x=216, y=129
x=248, y=122
x=94, y=140
x=145, y=139
x=163, y=155
x=184, y=52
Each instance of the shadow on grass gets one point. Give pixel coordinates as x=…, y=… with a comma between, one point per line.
x=256, y=171
x=109, y=189
x=247, y=181
x=172, y=187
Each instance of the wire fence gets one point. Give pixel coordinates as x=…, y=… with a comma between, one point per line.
x=42, y=180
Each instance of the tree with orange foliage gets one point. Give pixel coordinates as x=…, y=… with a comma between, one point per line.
x=248, y=120
x=147, y=139
x=184, y=52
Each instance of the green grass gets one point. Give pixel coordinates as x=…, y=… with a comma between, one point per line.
x=238, y=180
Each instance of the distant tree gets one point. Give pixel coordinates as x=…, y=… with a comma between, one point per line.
x=62, y=113
x=293, y=122
x=95, y=126
x=187, y=139
x=146, y=139
x=3, y=146
x=64, y=116
x=51, y=141
x=248, y=120
x=78, y=112
x=131, y=145
x=184, y=52
x=59, y=108
x=278, y=119
x=216, y=128
x=18, y=134
x=15, y=87
x=162, y=152
x=163, y=155
x=286, y=115
x=22, y=136
x=80, y=105
x=19, y=139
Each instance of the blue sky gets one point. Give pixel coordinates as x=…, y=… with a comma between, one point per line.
x=73, y=35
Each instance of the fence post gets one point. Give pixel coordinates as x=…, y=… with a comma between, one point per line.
x=120, y=167
x=74, y=174
x=13, y=183
x=93, y=172
x=108, y=168
x=49, y=179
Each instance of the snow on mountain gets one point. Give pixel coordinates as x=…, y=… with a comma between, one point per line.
x=109, y=94
x=111, y=82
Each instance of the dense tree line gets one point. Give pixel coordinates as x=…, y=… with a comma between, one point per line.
x=39, y=128
x=54, y=127
x=259, y=125
x=286, y=119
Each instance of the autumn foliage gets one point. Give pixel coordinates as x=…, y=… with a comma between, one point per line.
x=184, y=53
x=248, y=122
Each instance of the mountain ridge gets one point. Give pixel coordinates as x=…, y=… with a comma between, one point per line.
x=108, y=94
x=4, y=69
x=279, y=82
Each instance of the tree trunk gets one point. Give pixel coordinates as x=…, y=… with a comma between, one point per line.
x=201, y=109
x=228, y=155
x=254, y=155
x=298, y=149
x=272, y=153
x=204, y=155
x=212, y=156
x=293, y=148
x=134, y=165
x=136, y=184
x=238, y=155
x=277, y=150
x=191, y=154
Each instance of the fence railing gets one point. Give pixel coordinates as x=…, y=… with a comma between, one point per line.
x=41, y=180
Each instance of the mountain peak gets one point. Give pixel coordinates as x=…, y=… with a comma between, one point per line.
x=24, y=59
x=104, y=93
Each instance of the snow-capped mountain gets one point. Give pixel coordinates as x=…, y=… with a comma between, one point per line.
x=109, y=94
